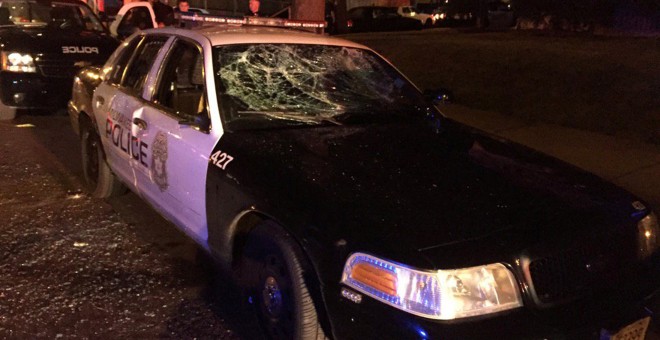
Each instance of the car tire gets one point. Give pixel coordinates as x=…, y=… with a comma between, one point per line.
x=7, y=112
x=99, y=179
x=428, y=23
x=272, y=274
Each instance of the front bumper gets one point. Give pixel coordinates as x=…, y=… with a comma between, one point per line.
x=373, y=321
x=581, y=319
x=34, y=91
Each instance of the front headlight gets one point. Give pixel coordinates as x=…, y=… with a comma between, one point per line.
x=648, y=231
x=18, y=62
x=442, y=294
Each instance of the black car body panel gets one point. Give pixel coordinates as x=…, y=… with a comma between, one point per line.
x=482, y=187
x=444, y=200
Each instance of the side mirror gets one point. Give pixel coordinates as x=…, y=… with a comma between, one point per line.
x=201, y=122
x=439, y=96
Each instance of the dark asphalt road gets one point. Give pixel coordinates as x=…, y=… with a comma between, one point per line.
x=77, y=267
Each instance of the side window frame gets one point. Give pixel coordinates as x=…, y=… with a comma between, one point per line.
x=143, y=71
x=122, y=60
x=165, y=71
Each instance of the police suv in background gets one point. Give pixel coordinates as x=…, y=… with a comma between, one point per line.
x=346, y=205
x=43, y=44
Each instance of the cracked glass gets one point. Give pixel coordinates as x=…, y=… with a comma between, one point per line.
x=280, y=85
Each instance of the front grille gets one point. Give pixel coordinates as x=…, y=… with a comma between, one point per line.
x=560, y=276
x=58, y=71
x=572, y=273
x=55, y=65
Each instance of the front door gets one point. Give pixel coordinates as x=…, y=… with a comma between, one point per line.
x=180, y=142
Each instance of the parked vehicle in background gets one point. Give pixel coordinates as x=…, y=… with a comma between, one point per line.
x=43, y=44
x=449, y=16
x=428, y=20
x=494, y=13
x=450, y=12
x=132, y=17
x=500, y=15
x=378, y=18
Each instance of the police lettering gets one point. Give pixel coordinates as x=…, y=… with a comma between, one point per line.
x=128, y=143
x=80, y=49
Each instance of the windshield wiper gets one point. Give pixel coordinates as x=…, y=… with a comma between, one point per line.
x=292, y=116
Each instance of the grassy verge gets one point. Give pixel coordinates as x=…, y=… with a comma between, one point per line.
x=603, y=84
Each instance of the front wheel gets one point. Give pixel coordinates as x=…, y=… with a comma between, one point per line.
x=100, y=180
x=273, y=269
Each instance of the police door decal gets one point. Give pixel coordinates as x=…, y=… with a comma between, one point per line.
x=118, y=130
x=159, y=161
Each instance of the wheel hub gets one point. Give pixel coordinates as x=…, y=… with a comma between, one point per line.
x=272, y=297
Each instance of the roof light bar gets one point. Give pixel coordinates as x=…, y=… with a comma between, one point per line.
x=254, y=21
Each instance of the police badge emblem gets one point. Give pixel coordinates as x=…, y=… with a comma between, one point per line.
x=159, y=161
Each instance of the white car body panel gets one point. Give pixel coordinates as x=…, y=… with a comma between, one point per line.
x=183, y=199
x=106, y=103
x=124, y=9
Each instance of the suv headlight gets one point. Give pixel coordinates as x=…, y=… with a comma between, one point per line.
x=648, y=231
x=442, y=294
x=18, y=62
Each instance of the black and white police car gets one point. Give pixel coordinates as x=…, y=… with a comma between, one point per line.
x=347, y=206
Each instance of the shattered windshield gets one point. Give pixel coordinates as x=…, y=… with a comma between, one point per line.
x=64, y=16
x=274, y=85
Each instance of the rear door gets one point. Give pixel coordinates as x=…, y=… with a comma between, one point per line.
x=179, y=149
x=116, y=100
x=107, y=120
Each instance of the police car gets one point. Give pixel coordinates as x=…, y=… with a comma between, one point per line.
x=43, y=44
x=346, y=205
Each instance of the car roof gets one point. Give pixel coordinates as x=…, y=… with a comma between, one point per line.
x=228, y=34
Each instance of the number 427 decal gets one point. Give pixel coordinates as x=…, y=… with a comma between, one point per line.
x=220, y=159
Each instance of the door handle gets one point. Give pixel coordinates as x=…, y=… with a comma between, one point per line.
x=141, y=123
x=99, y=101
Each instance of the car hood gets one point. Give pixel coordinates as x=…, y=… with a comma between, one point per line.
x=405, y=190
x=69, y=44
